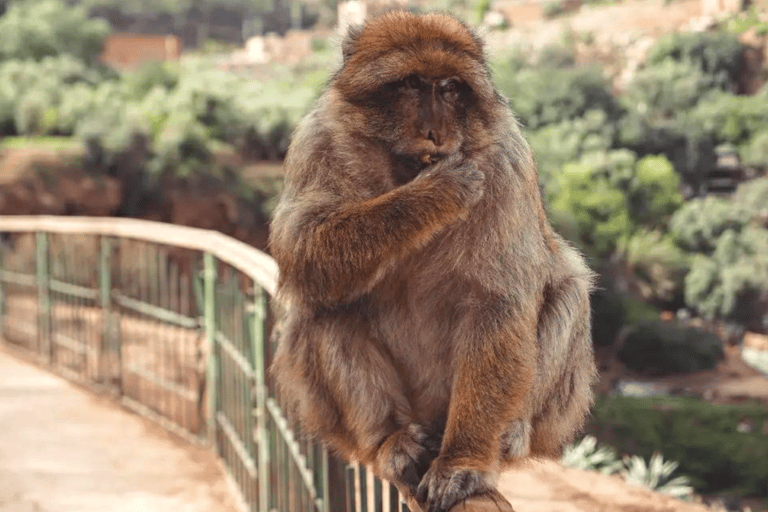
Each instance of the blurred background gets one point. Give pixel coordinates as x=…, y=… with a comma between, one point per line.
x=648, y=118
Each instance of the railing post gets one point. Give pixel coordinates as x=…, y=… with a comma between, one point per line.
x=45, y=346
x=105, y=295
x=212, y=364
x=259, y=363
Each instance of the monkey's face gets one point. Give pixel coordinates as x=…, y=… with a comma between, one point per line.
x=424, y=116
x=418, y=85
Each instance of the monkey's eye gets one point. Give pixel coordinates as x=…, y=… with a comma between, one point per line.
x=412, y=82
x=450, y=88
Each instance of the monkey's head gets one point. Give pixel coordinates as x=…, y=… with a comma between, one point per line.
x=418, y=84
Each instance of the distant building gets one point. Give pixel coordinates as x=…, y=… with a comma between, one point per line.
x=127, y=51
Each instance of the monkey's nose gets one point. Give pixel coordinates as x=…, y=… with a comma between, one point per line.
x=434, y=136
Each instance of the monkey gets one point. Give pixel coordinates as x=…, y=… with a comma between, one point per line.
x=435, y=326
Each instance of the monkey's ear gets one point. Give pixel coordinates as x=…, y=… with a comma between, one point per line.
x=350, y=41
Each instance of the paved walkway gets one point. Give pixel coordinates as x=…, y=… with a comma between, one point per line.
x=63, y=449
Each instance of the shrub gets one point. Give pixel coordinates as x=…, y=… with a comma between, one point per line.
x=662, y=348
x=717, y=54
x=545, y=95
x=732, y=283
x=722, y=448
x=34, y=30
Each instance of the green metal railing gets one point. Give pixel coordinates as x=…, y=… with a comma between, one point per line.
x=173, y=321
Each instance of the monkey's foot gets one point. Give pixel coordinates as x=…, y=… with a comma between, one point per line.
x=444, y=486
x=405, y=456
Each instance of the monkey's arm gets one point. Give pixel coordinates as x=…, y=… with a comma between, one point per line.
x=331, y=250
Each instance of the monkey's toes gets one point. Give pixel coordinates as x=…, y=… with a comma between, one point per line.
x=405, y=456
x=443, y=487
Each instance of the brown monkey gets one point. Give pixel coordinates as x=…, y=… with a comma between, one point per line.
x=436, y=327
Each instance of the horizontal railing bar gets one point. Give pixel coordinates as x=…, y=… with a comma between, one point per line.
x=9, y=276
x=237, y=443
x=170, y=386
x=162, y=314
x=293, y=449
x=255, y=264
x=235, y=355
x=75, y=290
x=70, y=343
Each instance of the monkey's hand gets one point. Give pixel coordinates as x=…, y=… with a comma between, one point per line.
x=462, y=178
x=405, y=455
x=444, y=486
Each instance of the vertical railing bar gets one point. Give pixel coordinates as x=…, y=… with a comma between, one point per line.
x=44, y=299
x=378, y=505
x=363, y=482
x=325, y=479
x=262, y=444
x=169, y=398
x=394, y=498
x=105, y=296
x=209, y=304
x=118, y=317
x=351, y=492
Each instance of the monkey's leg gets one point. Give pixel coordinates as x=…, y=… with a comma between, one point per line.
x=350, y=395
x=566, y=368
x=495, y=353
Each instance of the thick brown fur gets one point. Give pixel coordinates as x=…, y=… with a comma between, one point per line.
x=436, y=327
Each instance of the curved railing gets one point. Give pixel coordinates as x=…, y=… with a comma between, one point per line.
x=174, y=321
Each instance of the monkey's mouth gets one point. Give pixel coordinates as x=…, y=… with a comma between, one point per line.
x=430, y=158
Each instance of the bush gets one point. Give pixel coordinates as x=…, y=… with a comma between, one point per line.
x=722, y=448
x=35, y=30
x=554, y=145
x=606, y=196
x=732, y=283
x=545, y=95
x=716, y=54
x=662, y=348
x=699, y=223
x=655, y=268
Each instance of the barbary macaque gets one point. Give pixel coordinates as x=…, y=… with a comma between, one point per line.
x=436, y=328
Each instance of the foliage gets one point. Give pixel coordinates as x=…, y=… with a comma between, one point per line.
x=717, y=54
x=559, y=143
x=699, y=223
x=661, y=348
x=553, y=8
x=722, y=448
x=732, y=282
x=35, y=30
x=607, y=196
x=544, y=95
x=41, y=98
x=657, y=266
x=664, y=89
x=656, y=474
x=728, y=278
x=743, y=21
x=587, y=455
